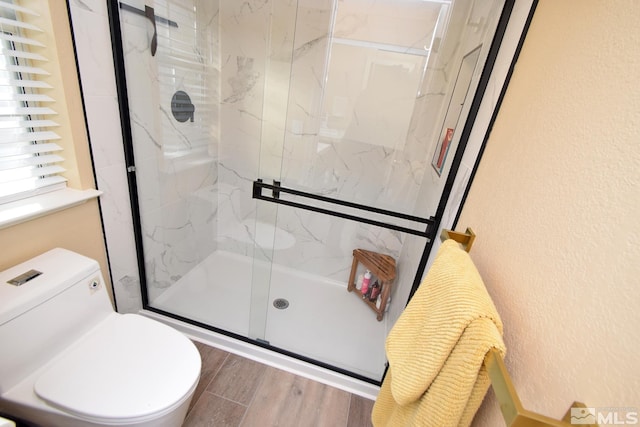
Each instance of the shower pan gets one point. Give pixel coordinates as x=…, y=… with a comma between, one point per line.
x=267, y=140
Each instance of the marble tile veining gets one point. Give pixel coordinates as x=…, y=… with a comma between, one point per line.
x=274, y=98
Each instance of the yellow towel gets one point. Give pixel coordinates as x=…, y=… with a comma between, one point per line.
x=436, y=349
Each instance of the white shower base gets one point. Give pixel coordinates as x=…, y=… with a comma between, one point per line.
x=323, y=322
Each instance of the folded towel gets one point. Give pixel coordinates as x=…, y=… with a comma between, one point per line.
x=436, y=349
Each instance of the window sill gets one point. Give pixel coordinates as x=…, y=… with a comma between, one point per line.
x=33, y=207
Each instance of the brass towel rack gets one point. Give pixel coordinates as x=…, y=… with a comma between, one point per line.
x=515, y=415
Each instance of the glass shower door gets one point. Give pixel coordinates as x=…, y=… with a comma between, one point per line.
x=373, y=89
x=194, y=249
x=354, y=100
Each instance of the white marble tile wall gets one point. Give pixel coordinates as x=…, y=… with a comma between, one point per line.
x=191, y=208
x=395, y=176
x=175, y=159
x=406, y=23
x=93, y=44
x=443, y=70
x=358, y=164
x=351, y=165
x=178, y=222
x=244, y=32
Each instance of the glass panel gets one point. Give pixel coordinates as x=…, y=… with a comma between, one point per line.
x=276, y=90
x=174, y=101
x=350, y=99
x=373, y=85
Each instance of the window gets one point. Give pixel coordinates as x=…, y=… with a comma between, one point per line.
x=29, y=157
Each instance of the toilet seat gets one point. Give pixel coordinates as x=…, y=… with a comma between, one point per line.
x=128, y=369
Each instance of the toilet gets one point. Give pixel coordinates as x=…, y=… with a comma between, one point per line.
x=68, y=359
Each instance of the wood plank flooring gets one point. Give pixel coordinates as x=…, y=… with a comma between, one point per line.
x=234, y=391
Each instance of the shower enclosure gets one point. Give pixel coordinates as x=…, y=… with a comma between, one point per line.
x=266, y=140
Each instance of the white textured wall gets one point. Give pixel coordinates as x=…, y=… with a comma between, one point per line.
x=555, y=206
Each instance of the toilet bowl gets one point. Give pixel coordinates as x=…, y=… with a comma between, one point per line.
x=67, y=359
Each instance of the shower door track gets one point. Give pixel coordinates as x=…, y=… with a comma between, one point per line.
x=276, y=189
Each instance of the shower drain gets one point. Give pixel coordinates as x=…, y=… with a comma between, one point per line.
x=280, y=303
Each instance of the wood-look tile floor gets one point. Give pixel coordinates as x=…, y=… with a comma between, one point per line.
x=234, y=391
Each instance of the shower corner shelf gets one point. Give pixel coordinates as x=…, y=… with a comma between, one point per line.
x=381, y=266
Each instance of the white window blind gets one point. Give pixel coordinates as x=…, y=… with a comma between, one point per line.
x=29, y=156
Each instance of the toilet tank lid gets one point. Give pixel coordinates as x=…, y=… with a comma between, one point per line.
x=60, y=270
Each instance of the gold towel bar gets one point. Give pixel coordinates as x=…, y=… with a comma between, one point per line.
x=466, y=239
x=512, y=410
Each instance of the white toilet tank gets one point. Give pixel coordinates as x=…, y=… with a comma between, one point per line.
x=42, y=316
